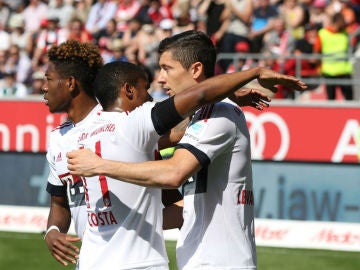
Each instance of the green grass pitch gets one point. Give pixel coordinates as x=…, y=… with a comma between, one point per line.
x=28, y=251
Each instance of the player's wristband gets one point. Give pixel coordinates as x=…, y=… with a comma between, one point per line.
x=52, y=227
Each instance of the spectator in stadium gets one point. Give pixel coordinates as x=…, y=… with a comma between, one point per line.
x=5, y=40
x=158, y=11
x=294, y=15
x=77, y=31
x=183, y=22
x=238, y=28
x=145, y=46
x=10, y=87
x=309, y=67
x=105, y=37
x=18, y=36
x=100, y=13
x=279, y=45
x=19, y=62
x=63, y=10
x=348, y=10
x=52, y=34
x=37, y=81
x=82, y=9
x=214, y=14
x=134, y=26
x=4, y=13
x=333, y=42
x=187, y=59
x=165, y=28
x=317, y=14
x=126, y=9
x=34, y=13
x=117, y=49
x=262, y=23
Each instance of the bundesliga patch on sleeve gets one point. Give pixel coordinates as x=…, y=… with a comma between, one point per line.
x=196, y=128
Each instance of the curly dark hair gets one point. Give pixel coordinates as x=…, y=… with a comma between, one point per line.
x=78, y=59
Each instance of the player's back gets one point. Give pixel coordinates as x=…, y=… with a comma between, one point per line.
x=124, y=229
x=218, y=229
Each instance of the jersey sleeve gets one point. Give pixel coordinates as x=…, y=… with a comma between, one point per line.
x=141, y=133
x=54, y=186
x=211, y=132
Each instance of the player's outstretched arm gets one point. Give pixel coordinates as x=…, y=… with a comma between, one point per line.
x=59, y=243
x=219, y=87
x=170, y=173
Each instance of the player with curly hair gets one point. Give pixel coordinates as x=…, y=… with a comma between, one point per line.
x=69, y=88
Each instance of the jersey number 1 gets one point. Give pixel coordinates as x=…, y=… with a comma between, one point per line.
x=102, y=180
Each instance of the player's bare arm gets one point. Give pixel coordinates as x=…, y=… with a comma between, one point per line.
x=59, y=243
x=170, y=173
x=219, y=87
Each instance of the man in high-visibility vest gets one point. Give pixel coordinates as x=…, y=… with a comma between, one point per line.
x=333, y=42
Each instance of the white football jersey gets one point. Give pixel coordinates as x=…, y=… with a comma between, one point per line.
x=124, y=229
x=59, y=180
x=218, y=229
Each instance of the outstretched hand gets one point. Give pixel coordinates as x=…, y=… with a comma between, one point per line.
x=269, y=79
x=251, y=97
x=83, y=162
x=62, y=248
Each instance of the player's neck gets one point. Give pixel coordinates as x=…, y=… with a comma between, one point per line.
x=78, y=112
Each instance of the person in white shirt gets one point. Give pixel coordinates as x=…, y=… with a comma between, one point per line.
x=68, y=89
x=218, y=224
x=33, y=14
x=101, y=12
x=9, y=87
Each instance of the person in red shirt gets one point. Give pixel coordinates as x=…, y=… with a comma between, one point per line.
x=78, y=32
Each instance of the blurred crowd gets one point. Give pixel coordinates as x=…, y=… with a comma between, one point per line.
x=130, y=30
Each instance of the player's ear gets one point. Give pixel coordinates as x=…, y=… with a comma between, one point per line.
x=197, y=70
x=129, y=90
x=70, y=82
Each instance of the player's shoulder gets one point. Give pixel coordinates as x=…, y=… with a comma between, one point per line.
x=229, y=106
x=64, y=127
x=225, y=106
x=146, y=106
x=142, y=110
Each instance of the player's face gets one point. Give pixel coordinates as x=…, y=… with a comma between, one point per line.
x=56, y=94
x=173, y=77
x=141, y=94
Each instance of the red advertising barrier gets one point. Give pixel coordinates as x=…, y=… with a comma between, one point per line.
x=305, y=133
x=25, y=125
x=281, y=132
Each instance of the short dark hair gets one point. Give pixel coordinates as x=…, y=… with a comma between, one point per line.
x=112, y=76
x=78, y=59
x=189, y=47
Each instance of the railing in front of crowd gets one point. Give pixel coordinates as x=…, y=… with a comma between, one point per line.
x=242, y=61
